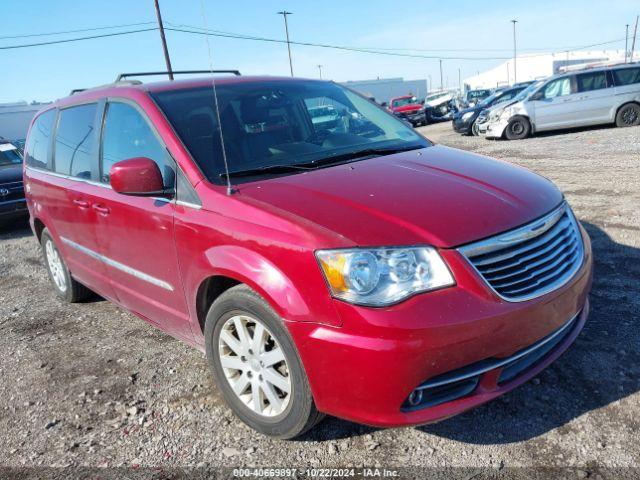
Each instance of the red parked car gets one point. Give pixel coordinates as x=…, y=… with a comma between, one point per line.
x=350, y=268
x=408, y=108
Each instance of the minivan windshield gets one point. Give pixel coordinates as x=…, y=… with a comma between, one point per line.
x=281, y=126
x=489, y=100
x=524, y=94
x=9, y=155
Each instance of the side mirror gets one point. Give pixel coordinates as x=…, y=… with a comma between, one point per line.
x=139, y=177
x=539, y=95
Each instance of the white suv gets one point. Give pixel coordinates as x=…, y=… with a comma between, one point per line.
x=588, y=97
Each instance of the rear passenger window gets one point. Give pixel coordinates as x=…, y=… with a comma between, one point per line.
x=75, y=146
x=626, y=76
x=128, y=135
x=37, y=148
x=591, y=81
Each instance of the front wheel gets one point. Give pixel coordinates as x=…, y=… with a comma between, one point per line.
x=518, y=128
x=474, y=130
x=256, y=365
x=628, y=115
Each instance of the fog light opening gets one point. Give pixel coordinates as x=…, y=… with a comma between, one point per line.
x=415, y=398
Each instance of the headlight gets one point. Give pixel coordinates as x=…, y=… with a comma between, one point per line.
x=467, y=115
x=383, y=276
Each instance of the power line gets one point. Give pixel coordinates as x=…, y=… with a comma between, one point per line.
x=125, y=25
x=77, y=39
x=194, y=30
x=325, y=45
x=407, y=49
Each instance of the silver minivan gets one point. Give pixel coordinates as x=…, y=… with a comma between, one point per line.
x=588, y=97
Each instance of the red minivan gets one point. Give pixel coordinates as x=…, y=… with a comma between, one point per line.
x=348, y=267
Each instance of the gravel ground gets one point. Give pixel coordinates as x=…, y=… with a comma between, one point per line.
x=91, y=385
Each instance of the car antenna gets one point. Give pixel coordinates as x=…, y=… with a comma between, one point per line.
x=215, y=99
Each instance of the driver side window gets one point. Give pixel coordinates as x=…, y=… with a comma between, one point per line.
x=557, y=88
x=127, y=135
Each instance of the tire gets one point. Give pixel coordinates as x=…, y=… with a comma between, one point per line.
x=518, y=128
x=474, y=130
x=65, y=286
x=292, y=413
x=628, y=115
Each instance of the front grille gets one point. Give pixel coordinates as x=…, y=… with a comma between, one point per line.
x=12, y=191
x=532, y=260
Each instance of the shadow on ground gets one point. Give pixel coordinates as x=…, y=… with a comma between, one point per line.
x=15, y=228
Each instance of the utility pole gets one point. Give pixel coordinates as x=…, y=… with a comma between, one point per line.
x=515, y=75
x=626, y=42
x=320, y=71
x=633, y=42
x=284, y=13
x=460, y=81
x=441, y=85
x=164, y=40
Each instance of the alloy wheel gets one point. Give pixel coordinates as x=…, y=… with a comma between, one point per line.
x=630, y=116
x=55, y=266
x=254, y=365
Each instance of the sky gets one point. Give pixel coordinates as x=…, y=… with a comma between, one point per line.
x=436, y=28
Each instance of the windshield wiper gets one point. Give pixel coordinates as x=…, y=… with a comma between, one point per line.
x=330, y=160
x=359, y=154
x=266, y=169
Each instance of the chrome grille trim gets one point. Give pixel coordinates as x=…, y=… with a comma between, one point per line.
x=532, y=260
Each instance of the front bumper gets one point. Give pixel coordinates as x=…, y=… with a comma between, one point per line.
x=414, y=118
x=482, y=127
x=13, y=208
x=496, y=129
x=463, y=126
x=365, y=370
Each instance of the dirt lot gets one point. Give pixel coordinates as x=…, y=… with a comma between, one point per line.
x=91, y=385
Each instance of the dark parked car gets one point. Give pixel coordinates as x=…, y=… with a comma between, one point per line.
x=473, y=97
x=464, y=121
x=12, y=202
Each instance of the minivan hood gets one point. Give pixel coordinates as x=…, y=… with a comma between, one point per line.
x=436, y=195
x=501, y=106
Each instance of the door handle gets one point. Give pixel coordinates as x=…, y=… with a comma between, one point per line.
x=81, y=203
x=101, y=210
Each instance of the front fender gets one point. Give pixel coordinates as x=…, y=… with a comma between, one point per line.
x=276, y=286
x=261, y=275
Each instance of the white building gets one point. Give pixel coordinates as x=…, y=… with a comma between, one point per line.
x=534, y=66
x=15, y=119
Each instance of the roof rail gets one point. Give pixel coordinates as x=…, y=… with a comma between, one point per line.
x=76, y=90
x=592, y=65
x=122, y=76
